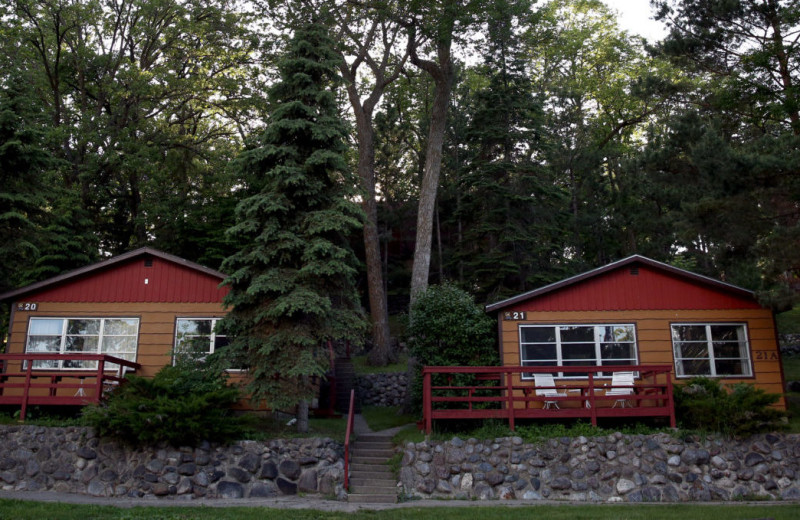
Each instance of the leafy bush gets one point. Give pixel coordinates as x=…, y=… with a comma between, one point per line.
x=182, y=405
x=447, y=328
x=741, y=409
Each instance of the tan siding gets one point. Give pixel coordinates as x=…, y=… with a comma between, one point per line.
x=654, y=336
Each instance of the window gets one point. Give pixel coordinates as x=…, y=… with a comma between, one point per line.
x=113, y=336
x=706, y=349
x=197, y=335
x=577, y=345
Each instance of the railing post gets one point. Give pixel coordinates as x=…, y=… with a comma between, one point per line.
x=26, y=391
x=427, y=408
x=670, y=401
x=98, y=389
x=592, y=407
x=510, y=399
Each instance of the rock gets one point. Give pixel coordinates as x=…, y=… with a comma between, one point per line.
x=290, y=469
x=286, y=487
x=753, y=459
x=483, y=491
x=531, y=495
x=86, y=453
x=239, y=474
x=268, y=470
x=561, y=483
x=189, y=468
x=263, y=490
x=308, y=481
x=228, y=489
x=625, y=486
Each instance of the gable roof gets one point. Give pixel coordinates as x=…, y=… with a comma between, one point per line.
x=629, y=261
x=106, y=264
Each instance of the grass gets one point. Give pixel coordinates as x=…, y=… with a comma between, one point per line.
x=269, y=427
x=25, y=510
x=384, y=417
x=791, y=368
x=362, y=367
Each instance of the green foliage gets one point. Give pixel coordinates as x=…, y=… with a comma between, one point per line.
x=182, y=405
x=293, y=279
x=741, y=409
x=447, y=328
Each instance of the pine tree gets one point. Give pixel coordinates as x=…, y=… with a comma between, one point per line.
x=292, y=285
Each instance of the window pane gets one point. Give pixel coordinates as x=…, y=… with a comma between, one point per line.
x=43, y=344
x=578, y=351
x=696, y=367
x=84, y=365
x=728, y=350
x=688, y=332
x=612, y=333
x=539, y=352
x=538, y=334
x=616, y=351
x=86, y=344
x=220, y=342
x=117, y=327
x=725, y=332
x=194, y=326
x=577, y=333
x=83, y=327
x=46, y=327
x=730, y=367
x=116, y=345
x=693, y=350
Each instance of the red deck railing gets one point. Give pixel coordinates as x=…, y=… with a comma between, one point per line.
x=501, y=393
x=23, y=384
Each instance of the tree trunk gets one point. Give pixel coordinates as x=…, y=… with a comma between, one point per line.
x=381, y=353
x=430, y=176
x=302, y=416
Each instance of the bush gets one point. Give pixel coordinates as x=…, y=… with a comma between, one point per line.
x=182, y=405
x=447, y=328
x=740, y=409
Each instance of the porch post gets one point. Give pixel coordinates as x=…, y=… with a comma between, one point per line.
x=98, y=390
x=427, y=409
x=670, y=401
x=592, y=407
x=26, y=391
x=510, y=398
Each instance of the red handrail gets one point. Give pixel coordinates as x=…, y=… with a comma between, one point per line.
x=347, y=433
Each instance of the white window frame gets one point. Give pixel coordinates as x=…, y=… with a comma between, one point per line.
x=559, y=346
x=744, y=340
x=63, y=335
x=212, y=336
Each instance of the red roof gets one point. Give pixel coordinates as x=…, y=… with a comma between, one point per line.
x=633, y=283
x=142, y=275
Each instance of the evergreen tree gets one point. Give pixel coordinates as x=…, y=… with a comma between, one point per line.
x=292, y=285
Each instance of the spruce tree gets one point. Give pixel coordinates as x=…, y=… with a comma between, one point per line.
x=292, y=284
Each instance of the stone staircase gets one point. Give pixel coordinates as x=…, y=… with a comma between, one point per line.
x=371, y=480
x=345, y=381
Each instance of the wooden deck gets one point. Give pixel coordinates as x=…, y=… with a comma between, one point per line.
x=502, y=393
x=23, y=385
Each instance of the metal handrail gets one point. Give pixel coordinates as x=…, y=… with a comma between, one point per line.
x=347, y=434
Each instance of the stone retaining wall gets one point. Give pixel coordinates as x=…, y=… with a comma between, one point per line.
x=789, y=344
x=617, y=467
x=384, y=389
x=73, y=460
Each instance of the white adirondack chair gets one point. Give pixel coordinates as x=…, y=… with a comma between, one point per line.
x=545, y=386
x=621, y=385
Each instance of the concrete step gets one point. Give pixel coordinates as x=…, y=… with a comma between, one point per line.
x=368, y=460
x=358, y=498
x=374, y=445
x=377, y=468
x=378, y=475
x=358, y=451
x=360, y=484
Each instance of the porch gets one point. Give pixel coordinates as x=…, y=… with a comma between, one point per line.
x=35, y=380
x=509, y=393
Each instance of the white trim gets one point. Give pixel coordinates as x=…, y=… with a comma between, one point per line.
x=744, y=348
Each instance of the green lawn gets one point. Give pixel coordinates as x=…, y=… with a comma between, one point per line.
x=362, y=367
x=789, y=322
x=22, y=510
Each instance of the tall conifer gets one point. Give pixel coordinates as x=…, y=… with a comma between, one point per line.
x=293, y=282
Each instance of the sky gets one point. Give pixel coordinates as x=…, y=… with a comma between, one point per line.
x=635, y=17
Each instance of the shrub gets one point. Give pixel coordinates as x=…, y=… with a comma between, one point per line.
x=182, y=405
x=741, y=409
x=447, y=328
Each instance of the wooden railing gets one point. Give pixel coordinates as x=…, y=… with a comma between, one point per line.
x=504, y=393
x=21, y=383
x=347, y=434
